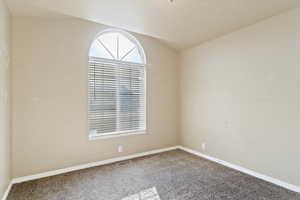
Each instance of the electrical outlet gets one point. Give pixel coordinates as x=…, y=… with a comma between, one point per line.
x=35, y=99
x=227, y=124
x=120, y=148
x=5, y=97
x=203, y=146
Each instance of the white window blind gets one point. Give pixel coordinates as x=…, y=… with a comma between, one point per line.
x=116, y=95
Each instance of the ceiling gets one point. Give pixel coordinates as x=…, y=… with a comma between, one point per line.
x=182, y=24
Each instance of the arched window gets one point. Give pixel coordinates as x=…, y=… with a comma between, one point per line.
x=116, y=93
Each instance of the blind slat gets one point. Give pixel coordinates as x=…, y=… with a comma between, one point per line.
x=116, y=96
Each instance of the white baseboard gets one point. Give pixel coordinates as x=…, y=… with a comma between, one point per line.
x=89, y=165
x=104, y=162
x=245, y=170
x=7, y=191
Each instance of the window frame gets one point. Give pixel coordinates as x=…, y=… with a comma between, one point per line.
x=114, y=61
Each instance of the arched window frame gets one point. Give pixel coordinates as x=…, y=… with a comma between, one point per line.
x=141, y=51
x=128, y=36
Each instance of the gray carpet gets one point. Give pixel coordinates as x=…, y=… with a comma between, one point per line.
x=174, y=175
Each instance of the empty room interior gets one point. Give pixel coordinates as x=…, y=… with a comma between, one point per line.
x=149, y=100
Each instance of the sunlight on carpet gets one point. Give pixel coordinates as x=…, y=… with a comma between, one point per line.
x=149, y=194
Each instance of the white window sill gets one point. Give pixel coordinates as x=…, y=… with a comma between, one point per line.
x=117, y=134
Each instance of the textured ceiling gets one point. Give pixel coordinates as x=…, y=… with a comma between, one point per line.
x=182, y=24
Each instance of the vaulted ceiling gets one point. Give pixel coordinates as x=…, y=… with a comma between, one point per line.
x=182, y=24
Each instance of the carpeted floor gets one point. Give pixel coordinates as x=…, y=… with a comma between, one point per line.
x=174, y=175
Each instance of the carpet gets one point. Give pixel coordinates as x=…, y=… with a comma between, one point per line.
x=173, y=175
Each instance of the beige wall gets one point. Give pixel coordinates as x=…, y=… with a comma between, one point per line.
x=240, y=95
x=50, y=97
x=4, y=98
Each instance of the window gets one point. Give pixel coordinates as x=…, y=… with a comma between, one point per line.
x=116, y=78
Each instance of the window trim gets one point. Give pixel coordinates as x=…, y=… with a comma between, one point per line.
x=117, y=134
x=143, y=56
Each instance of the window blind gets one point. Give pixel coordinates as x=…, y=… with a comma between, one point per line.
x=116, y=96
